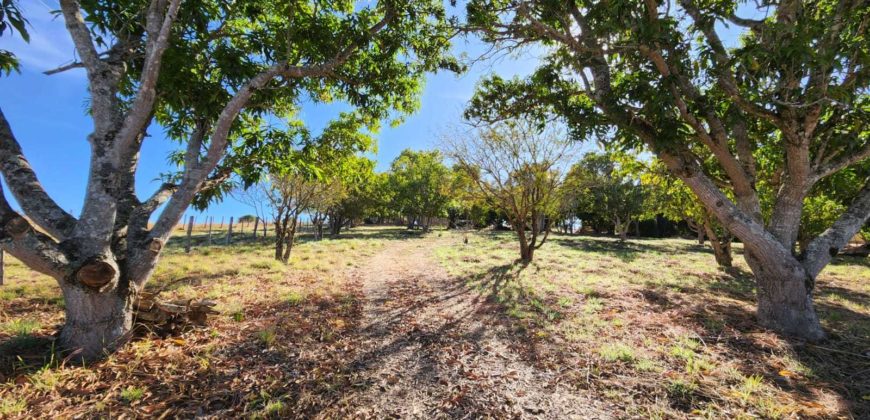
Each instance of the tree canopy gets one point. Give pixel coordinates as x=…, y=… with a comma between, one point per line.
x=787, y=103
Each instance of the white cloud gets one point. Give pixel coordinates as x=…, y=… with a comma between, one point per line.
x=50, y=45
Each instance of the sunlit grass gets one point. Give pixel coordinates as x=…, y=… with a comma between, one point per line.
x=655, y=307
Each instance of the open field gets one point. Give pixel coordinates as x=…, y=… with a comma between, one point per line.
x=385, y=322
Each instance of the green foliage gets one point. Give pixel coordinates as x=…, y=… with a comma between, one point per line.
x=421, y=184
x=604, y=187
x=381, y=51
x=819, y=213
x=11, y=21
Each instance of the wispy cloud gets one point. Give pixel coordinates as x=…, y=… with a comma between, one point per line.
x=50, y=45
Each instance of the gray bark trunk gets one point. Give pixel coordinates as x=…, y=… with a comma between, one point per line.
x=96, y=323
x=785, y=302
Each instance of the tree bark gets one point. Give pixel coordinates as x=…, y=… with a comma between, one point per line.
x=97, y=323
x=290, y=235
x=785, y=302
x=721, y=245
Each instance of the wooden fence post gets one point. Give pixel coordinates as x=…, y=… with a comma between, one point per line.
x=230, y=231
x=222, y=222
x=189, y=232
x=210, y=220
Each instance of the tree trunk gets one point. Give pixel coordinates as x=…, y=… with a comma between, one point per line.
x=527, y=251
x=721, y=245
x=289, y=235
x=96, y=323
x=785, y=302
x=256, y=227
x=700, y=237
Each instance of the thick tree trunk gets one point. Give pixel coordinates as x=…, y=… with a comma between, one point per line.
x=700, y=236
x=785, y=304
x=96, y=323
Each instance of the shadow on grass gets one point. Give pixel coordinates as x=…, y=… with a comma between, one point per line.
x=840, y=365
x=626, y=251
x=22, y=354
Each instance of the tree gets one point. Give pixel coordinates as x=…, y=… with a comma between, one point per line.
x=789, y=103
x=354, y=181
x=601, y=187
x=212, y=73
x=11, y=21
x=290, y=194
x=420, y=184
x=516, y=167
x=671, y=198
x=466, y=206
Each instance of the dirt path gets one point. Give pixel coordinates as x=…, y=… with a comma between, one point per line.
x=431, y=348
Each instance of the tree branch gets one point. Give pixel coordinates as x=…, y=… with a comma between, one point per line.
x=822, y=249
x=81, y=36
x=27, y=189
x=830, y=168
x=36, y=250
x=159, y=26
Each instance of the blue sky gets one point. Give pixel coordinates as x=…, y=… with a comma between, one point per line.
x=47, y=113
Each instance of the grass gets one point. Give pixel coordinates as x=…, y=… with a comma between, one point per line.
x=291, y=313
x=132, y=393
x=617, y=352
x=20, y=327
x=652, y=326
x=677, y=334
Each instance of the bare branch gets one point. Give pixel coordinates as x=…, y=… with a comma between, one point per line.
x=141, y=109
x=35, y=249
x=65, y=67
x=81, y=36
x=822, y=249
x=27, y=189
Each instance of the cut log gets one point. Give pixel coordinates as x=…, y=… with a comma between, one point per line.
x=168, y=317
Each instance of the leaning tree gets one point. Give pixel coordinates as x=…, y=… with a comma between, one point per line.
x=793, y=84
x=214, y=75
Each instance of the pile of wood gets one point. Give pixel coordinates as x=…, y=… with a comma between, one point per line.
x=856, y=250
x=168, y=317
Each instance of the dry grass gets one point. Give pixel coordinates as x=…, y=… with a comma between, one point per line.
x=655, y=327
x=273, y=317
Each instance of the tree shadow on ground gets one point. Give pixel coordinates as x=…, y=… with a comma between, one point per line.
x=728, y=325
x=626, y=251
x=836, y=365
